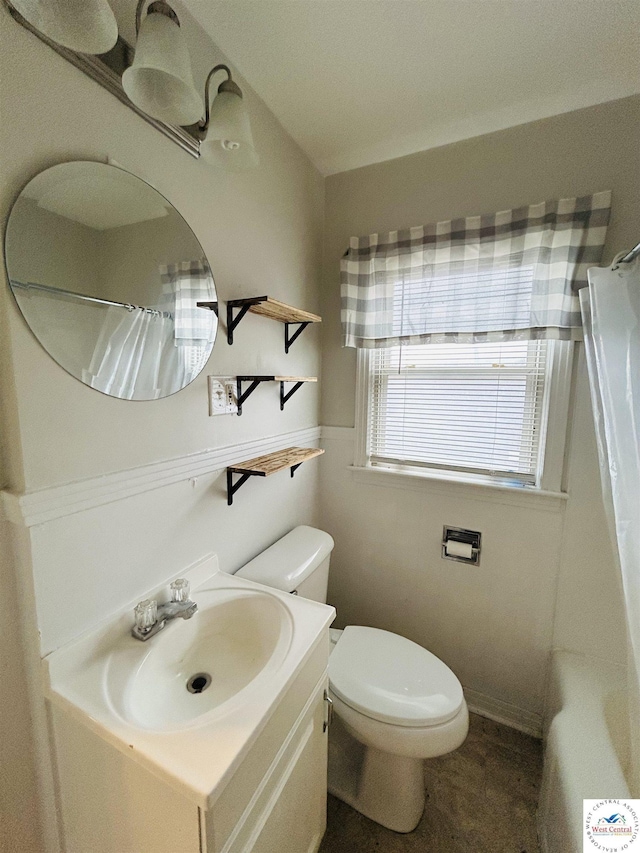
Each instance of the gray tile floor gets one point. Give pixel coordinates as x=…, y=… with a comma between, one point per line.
x=480, y=799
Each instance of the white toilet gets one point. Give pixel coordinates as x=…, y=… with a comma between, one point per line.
x=396, y=703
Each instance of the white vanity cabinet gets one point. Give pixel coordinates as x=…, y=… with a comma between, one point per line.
x=287, y=810
x=274, y=801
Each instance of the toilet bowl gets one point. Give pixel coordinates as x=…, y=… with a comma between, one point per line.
x=395, y=703
x=403, y=705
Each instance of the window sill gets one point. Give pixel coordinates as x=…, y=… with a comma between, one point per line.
x=460, y=486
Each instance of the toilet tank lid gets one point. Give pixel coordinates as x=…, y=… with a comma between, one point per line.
x=290, y=560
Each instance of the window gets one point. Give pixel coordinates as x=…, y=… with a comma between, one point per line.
x=478, y=410
x=464, y=333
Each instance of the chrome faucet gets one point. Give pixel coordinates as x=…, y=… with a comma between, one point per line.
x=151, y=617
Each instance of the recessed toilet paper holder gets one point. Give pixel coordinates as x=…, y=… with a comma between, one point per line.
x=461, y=545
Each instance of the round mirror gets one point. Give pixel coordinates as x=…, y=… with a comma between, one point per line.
x=111, y=280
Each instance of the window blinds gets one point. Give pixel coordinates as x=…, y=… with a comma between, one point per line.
x=474, y=408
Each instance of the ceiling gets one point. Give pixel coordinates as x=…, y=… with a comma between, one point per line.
x=360, y=81
x=110, y=199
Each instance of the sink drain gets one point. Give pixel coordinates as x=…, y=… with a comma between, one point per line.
x=199, y=682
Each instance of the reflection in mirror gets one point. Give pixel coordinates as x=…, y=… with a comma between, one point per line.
x=108, y=276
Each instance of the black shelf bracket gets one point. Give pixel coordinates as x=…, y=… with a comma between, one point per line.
x=284, y=397
x=212, y=306
x=289, y=340
x=243, y=305
x=232, y=487
x=255, y=381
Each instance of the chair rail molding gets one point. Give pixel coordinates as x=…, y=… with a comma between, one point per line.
x=43, y=505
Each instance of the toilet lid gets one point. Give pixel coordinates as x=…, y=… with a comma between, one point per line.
x=389, y=678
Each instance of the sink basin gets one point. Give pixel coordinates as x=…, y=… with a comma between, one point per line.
x=197, y=669
x=251, y=641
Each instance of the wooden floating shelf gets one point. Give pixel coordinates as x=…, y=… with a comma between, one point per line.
x=271, y=463
x=268, y=307
x=296, y=378
x=274, y=310
x=265, y=466
x=256, y=380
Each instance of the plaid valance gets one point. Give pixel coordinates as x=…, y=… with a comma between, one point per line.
x=512, y=275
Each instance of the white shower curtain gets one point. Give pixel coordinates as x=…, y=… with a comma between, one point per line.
x=611, y=313
x=129, y=354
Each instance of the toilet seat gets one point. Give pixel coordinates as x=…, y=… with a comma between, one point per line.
x=391, y=679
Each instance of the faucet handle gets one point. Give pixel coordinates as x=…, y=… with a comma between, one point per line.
x=146, y=615
x=180, y=589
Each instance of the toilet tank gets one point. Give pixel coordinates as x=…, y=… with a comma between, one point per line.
x=299, y=562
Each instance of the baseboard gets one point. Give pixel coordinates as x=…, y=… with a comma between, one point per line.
x=502, y=712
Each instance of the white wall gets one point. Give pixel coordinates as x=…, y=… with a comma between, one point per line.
x=494, y=625
x=108, y=497
x=491, y=624
x=66, y=258
x=67, y=251
x=19, y=819
x=132, y=256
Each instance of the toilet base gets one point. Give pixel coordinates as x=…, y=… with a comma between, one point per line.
x=386, y=788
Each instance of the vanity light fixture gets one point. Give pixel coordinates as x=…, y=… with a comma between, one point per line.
x=160, y=81
x=158, y=84
x=86, y=26
x=225, y=133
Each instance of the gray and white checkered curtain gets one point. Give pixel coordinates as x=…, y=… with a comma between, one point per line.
x=183, y=285
x=512, y=275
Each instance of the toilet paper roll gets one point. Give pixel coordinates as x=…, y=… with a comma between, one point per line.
x=459, y=549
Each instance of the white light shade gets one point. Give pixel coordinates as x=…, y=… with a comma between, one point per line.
x=229, y=142
x=160, y=80
x=86, y=26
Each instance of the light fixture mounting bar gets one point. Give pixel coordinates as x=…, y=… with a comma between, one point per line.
x=106, y=69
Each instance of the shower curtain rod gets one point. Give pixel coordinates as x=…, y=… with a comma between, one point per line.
x=630, y=256
x=30, y=285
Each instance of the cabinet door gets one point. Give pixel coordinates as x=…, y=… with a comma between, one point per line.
x=297, y=817
x=110, y=804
